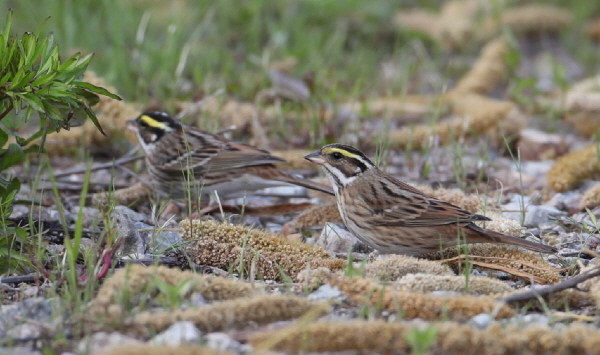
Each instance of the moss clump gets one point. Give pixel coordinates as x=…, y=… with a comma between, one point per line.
x=393, y=267
x=317, y=216
x=411, y=305
x=128, y=196
x=591, y=198
x=486, y=73
x=232, y=314
x=573, y=168
x=148, y=349
x=451, y=338
x=476, y=285
x=474, y=115
x=226, y=245
x=528, y=19
x=522, y=263
x=135, y=285
x=452, y=27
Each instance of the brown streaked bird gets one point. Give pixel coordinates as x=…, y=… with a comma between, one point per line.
x=396, y=218
x=185, y=161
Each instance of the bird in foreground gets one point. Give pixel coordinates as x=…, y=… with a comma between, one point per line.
x=396, y=218
x=183, y=159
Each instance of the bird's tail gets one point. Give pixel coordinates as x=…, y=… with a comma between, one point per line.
x=495, y=237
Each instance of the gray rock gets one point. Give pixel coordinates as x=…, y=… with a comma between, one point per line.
x=133, y=215
x=481, y=321
x=336, y=239
x=565, y=201
x=325, y=292
x=91, y=216
x=223, y=342
x=25, y=331
x=136, y=243
x=104, y=341
x=183, y=332
x=19, y=350
x=534, y=215
x=529, y=319
x=31, y=310
x=161, y=240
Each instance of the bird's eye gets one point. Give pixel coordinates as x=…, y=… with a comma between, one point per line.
x=337, y=155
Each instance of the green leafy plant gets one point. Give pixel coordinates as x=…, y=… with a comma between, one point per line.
x=420, y=340
x=34, y=81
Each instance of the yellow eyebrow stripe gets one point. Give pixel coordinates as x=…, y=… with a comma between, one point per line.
x=344, y=152
x=152, y=122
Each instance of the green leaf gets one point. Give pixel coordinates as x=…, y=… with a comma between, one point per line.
x=51, y=112
x=3, y=138
x=94, y=119
x=12, y=156
x=44, y=79
x=33, y=101
x=97, y=89
x=69, y=64
x=25, y=80
x=5, y=78
x=16, y=79
x=6, y=30
x=34, y=148
x=85, y=61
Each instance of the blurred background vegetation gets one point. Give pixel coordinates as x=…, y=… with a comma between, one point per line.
x=151, y=50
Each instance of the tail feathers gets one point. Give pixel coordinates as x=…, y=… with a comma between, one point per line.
x=489, y=236
x=273, y=173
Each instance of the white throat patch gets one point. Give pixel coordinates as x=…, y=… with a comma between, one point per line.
x=335, y=176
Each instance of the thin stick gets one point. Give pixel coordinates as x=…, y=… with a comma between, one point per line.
x=127, y=158
x=546, y=290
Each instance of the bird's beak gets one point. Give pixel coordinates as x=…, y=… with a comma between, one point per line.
x=315, y=158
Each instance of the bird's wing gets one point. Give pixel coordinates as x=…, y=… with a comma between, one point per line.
x=400, y=204
x=209, y=152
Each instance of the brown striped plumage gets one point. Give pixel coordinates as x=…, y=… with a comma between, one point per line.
x=396, y=218
x=184, y=161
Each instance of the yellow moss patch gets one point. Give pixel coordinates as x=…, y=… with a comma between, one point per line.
x=582, y=105
x=592, y=286
x=452, y=27
x=500, y=224
x=592, y=29
x=233, y=314
x=393, y=267
x=591, y=198
x=112, y=115
x=519, y=262
x=476, y=285
x=269, y=256
x=486, y=73
x=363, y=291
x=573, y=168
x=527, y=19
x=128, y=196
x=136, y=284
x=317, y=216
x=311, y=279
x=409, y=105
x=451, y=338
x=148, y=349
x=595, y=291
x=474, y=115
